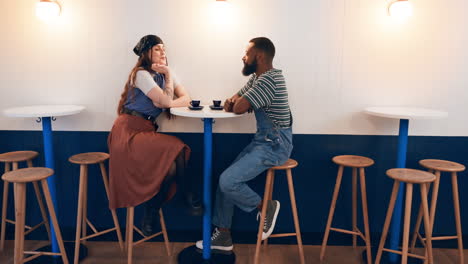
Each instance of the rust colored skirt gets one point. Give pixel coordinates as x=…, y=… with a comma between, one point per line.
x=140, y=159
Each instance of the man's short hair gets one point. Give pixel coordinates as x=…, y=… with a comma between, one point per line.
x=265, y=45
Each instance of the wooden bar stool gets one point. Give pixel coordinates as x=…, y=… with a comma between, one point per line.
x=129, y=243
x=82, y=221
x=11, y=159
x=19, y=178
x=355, y=162
x=410, y=177
x=270, y=179
x=439, y=166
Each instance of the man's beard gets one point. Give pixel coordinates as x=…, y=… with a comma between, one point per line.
x=249, y=68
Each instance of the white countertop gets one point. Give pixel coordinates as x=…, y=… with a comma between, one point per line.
x=405, y=112
x=206, y=112
x=43, y=110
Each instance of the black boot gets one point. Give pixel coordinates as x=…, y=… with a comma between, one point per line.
x=150, y=223
x=193, y=203
x=192, y=200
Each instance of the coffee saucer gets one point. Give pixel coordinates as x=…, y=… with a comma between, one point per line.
x=195, y=108
x=216, y=107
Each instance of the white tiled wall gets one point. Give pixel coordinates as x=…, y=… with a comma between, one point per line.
x=338, y=57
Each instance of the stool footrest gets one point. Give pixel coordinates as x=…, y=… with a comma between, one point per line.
x=139, y=231
x=283, y=235
x=146, y=238
x=99, y=233
x=14, y=223
x=37, y=254
x=358, y=232
x=438, y=238
x=400, y=253
x=91, y=225
x=421, y=239
x=34, y=227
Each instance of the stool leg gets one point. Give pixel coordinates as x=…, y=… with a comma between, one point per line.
x=427, y=223
x=332, y=211
x=456, y=204
x=53, y=218
x=127, y=222
x=388, y=218
x=79, y=215
x=84, y=226
x=435, y=191
x=40, y=202
x=262, y=215
x=365, y=215
x=270, y=197
x=354, y=191
x=4, y=209
x=435, y=194
x=296, y=218
x=114, y=215
x=406, y=226
x=417, y=225
x=20, y=205
x=164, y=231
x=130, y=216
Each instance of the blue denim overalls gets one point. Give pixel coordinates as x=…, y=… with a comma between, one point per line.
x=270, y=147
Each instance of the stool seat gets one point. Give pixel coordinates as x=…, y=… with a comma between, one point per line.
x=411, y=175
x=442, y=165
x=89, y=158
x=353, y=161
x=28, y=175
x=289, y=164
x=18, y=156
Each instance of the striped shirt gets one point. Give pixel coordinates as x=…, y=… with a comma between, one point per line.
x=268, y=91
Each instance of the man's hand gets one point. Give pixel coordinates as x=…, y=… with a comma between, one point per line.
x=229, y=105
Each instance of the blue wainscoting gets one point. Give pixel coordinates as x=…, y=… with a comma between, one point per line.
x=314, y=180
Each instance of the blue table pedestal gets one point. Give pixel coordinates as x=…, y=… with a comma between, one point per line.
x=193, y=254
x=49, y=163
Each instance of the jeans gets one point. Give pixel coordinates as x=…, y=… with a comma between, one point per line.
x=270, y=147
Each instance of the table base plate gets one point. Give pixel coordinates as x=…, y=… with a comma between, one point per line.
x=194, y=255
x=69, y=248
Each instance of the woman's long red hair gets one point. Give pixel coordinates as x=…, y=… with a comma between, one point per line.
x=143, y=63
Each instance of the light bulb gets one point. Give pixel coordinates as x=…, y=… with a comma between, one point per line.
x=47, y=10
x=401, y=9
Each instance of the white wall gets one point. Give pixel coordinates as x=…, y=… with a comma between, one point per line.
x=338, y=57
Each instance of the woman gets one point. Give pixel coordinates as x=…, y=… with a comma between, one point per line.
x=144, y=164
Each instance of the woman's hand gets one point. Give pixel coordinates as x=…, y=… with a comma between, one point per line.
x=161, y=68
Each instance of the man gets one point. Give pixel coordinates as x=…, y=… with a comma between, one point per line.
x=265, y=93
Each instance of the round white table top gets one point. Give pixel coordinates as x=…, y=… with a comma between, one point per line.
x=405, y=112
x=206, y=112
x=43, y=110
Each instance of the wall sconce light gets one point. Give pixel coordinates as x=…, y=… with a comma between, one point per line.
x=400, y=9
x=48, y=9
